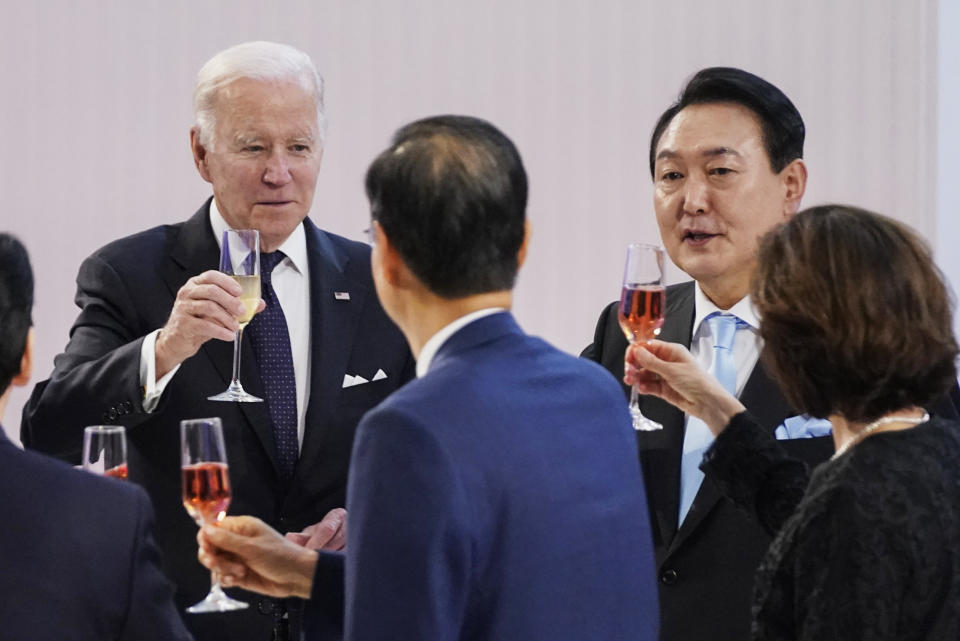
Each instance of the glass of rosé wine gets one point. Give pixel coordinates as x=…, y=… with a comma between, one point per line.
x=642, y=302
x=206, y=493
x=105, y=450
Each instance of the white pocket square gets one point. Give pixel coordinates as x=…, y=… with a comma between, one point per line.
x=349, y=380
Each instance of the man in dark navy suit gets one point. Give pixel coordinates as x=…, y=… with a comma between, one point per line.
x=495, y=497
x=154, y=337
x=77, y=550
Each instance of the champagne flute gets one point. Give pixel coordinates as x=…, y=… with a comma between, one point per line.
x=105, y=450
x=641, y=310
x=240, y=258
x=206, y=493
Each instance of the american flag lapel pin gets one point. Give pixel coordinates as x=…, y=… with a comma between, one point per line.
x=341, y=295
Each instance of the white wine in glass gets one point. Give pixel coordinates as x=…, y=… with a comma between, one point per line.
x=206, y=493
x=642, y=302
x=240, y=259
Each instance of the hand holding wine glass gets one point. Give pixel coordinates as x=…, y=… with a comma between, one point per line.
x=240, y=259
x=641, y=310
x=206, y=492
x=105, y=450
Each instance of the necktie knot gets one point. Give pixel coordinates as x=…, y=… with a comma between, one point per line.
x=724, y=328
x=268, y=262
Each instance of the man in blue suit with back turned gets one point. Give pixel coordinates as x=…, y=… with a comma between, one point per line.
x=77, y=552
x=495, y=497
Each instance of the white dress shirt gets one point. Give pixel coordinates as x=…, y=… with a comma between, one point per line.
x=435, y=342
x=291, y=282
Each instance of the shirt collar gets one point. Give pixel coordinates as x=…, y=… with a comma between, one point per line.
x=294, y=247
x=704, y=307
x=436, y=341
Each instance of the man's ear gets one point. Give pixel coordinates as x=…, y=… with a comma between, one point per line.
x=26, y=362
x=386, y=258
x=199, y=153
x=794, y=177
x=527, y=233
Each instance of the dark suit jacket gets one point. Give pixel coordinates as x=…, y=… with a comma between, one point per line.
x=125, y=291
x=494, y=498
x=78, y=556
x=706, y=567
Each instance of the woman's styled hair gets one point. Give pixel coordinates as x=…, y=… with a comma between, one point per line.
x=855, y=316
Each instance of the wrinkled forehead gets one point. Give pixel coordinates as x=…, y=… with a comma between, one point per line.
x=249, y=107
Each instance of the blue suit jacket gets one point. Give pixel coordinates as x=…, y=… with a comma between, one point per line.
x=77, y=556
x=126, y=290
x=497, y=497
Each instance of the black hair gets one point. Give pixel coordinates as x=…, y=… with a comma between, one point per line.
x=16, y=301
x=780, y=122
x=451, y=193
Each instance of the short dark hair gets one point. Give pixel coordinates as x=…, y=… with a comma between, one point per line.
x=16, y=301
x=451, y=193
x=780, y=122
x=855, y=315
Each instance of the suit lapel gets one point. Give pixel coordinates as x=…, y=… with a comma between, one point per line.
x=195, y=250
x=660, y=450
x=333, y=329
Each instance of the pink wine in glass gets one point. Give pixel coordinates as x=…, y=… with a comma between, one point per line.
x=641, y=311
x=206, y=491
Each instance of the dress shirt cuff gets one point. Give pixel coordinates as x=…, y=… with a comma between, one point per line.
x=152, y=388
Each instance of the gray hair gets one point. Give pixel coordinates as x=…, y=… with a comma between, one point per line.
x=258, y=60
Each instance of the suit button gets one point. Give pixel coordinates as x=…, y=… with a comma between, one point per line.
x=112, y=414
x=669, y=577
x=127, y=407
x=266, y=606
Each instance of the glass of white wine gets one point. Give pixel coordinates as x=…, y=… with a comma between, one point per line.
x=240, y=259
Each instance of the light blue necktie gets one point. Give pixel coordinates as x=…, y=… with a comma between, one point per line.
x=698, y=437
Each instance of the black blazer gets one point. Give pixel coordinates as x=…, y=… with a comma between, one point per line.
x=125, y=291
x=79, y=559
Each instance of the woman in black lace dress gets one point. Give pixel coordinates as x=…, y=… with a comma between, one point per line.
x=856, y=325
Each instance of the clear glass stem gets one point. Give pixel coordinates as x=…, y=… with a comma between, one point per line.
x=640, y=422
x=634, y=401
x=236, y=357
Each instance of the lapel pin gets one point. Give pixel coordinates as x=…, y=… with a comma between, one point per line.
x=341, y=295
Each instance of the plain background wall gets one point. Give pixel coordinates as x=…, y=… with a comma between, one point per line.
x=96, y=112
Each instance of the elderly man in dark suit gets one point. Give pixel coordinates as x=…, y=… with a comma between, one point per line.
x=77, y=550
x=495, y=496
x=727, y=166
x=157, y=321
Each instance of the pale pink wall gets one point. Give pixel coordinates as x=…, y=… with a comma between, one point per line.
x=96, y=107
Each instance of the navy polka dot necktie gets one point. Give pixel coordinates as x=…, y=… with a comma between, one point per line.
x=271, y=345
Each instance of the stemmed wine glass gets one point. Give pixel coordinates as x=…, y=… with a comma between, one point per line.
x=105, y=450
x=206, y=493
x=641, y=310
x=240, y=258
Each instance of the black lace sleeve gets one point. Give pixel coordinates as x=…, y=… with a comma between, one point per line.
x=753, y=471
